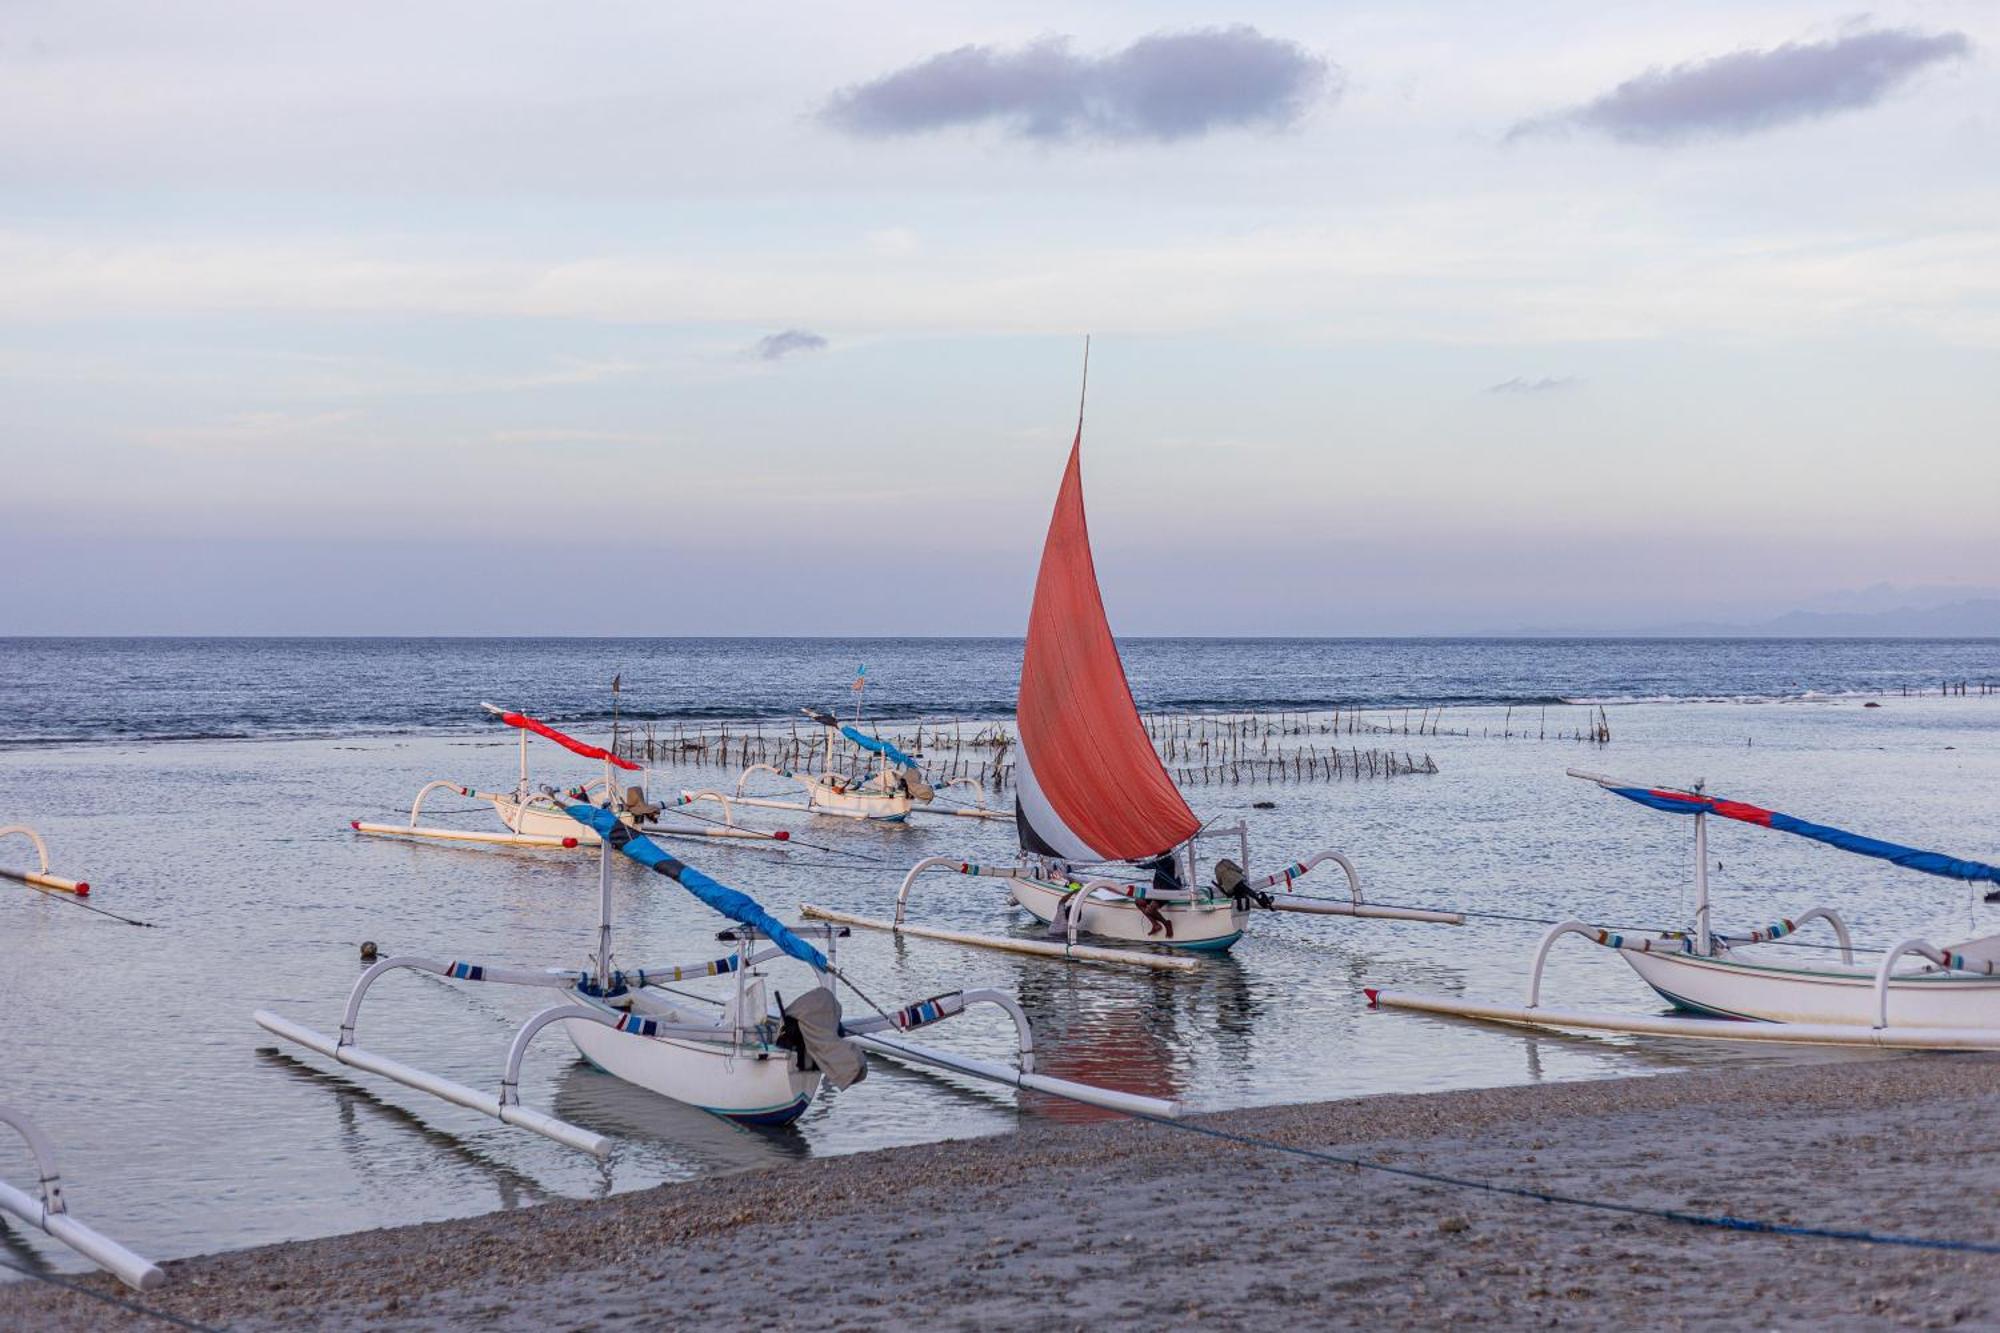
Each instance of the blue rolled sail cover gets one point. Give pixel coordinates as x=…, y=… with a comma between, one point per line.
x=732, y=903
x=1910, y=858
x=879, y=746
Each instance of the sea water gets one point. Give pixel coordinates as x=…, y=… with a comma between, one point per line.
x=206, y=786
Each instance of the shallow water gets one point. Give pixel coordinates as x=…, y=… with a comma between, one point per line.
x=182, y=1131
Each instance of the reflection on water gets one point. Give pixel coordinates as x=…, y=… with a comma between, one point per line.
x=355, y=1104
x=241, y=851
x=679, y=1141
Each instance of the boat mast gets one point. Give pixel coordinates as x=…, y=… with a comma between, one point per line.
x=1701, y=943
x=604, y=913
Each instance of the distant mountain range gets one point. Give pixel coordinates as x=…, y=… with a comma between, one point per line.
x=1967, y=618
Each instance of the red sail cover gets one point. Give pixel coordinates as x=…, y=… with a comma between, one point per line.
x=1088, y=784
x=588, y=751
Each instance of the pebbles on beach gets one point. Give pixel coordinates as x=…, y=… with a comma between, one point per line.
x=1127, y=1224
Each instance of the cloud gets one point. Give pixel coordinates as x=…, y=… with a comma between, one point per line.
x=777, y=346
x=553, y=435
x=1747, y=91
x=260, y=431
x=1522, y=384
x=1164, y=87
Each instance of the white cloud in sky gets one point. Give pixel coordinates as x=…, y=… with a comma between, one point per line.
x=293, y=271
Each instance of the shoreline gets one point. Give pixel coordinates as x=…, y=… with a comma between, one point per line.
x=1123, y=1223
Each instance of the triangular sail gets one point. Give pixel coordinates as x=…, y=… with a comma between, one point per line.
x=1088, y=784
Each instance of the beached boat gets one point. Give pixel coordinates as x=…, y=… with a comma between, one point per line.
x=736, y=1056
x=1109, y=848
x=1914, y=994
x=47, y=1211
x=40, y=878
x=532, y=818
x=890, y=795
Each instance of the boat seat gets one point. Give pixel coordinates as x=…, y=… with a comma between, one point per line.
x=637, y=806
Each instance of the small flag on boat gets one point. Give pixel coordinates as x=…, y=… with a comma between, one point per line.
x=614, y=682
x=860, y=679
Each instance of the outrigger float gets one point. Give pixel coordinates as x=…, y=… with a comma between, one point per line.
x=1091, y=792
x=1915, y=996
x=533, y=818
x=739, y=1057
x=890, y=795
x=40, y=878
x=47, y=1211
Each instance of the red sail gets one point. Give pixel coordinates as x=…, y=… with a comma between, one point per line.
x=1089, y=785
x=583, y=748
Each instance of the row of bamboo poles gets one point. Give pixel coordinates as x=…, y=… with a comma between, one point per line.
x=1190, y=733
x=1199, y=749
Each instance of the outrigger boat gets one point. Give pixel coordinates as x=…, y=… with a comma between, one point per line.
x=890, y=795
x=534, y=819
x=40, y=878
x=740, y=1057
x=1916, y=995
x=1092, y=792
x=48, y=1211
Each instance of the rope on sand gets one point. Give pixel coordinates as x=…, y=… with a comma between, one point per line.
x=1714, y=1221
x=133, y=1307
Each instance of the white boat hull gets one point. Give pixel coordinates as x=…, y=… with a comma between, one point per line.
x=1213, y=925
x=544, y=822
x=756, y=1085
x=1739, y=985
x=823, y=799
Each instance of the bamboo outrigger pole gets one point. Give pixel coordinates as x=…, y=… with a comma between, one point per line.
x=40, y=879
x=49, y=1212
x=1077, y=953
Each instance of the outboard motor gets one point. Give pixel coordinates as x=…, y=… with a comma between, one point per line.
x=811, y=1030
x=1230, y=882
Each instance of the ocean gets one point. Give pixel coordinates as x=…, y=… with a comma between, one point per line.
x=206, y=786
x=57, y=691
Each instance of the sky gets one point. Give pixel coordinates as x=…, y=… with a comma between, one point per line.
x=648, y=319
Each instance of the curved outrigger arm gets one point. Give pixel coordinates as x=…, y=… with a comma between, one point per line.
x=687, y=798
x=773, y=770
x=1944, y=958
x=1683, y=942
x=972, y=785
x=1354, y=907
x=344, y=1050
x=955, y=865
x=48, y=1212
x=40, y=878
x=1777, y=930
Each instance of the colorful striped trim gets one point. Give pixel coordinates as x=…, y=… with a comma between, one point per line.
x=716, y=968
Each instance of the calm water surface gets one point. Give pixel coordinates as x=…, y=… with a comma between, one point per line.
x=183, y=1131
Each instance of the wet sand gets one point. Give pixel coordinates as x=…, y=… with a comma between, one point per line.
x=1123, y=1224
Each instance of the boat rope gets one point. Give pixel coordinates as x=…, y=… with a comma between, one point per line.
x=133, y=1307
x=61, y=897
x=1714, y=1221
x=1739, y=939
x=404, y=813
x=683, y=812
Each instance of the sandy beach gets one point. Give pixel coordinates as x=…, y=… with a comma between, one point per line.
x=1123, y=1224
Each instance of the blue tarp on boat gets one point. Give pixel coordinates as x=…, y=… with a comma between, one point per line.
x=732, y=903
x=877, y=745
